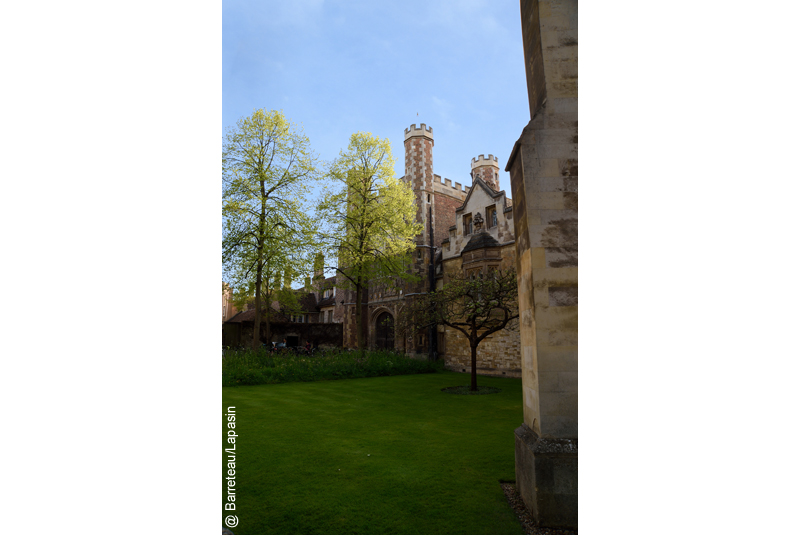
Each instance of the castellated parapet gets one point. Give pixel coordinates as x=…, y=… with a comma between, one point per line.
x=488, y=169
x=445, y=185
x=422, y=131
x=480, y=161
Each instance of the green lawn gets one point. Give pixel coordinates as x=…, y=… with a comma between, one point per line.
x=302, y=464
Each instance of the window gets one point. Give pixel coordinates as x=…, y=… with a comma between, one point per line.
x=491, y=216
x=467, y=224
x=429, y=197
x=330, y=316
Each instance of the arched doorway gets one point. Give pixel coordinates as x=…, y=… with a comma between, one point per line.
x=384, y=331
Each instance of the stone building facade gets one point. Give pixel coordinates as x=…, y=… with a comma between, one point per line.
x=468, y=250
x=445, y=210
x=228, y=308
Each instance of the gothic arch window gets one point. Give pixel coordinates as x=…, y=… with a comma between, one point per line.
x=384, y=331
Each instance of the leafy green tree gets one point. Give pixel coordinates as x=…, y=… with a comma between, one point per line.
x=267, y=170
x=477, y=306
x=369, y=218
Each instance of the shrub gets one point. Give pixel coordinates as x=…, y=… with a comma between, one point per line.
x=247, y=367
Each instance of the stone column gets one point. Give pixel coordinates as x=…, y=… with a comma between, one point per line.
x=544, y=182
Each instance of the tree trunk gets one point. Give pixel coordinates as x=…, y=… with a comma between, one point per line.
x=267, y=330
x=359, y=332
x=257, y=319
x=259, y=271
x=473, y=347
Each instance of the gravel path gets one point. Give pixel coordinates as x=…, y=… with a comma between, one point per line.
x=525, y=518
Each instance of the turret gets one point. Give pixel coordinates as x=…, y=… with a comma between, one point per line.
x=488, y=169
x=418, y=143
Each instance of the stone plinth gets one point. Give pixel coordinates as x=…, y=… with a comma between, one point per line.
x=547, y=477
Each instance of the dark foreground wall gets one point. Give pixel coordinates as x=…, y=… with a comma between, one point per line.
x=319, y=334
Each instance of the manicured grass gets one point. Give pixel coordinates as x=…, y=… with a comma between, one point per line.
x=302, y=464
x=246, y=367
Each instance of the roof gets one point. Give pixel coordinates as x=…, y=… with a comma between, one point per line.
x=479, y=182
x=328, y=302
x=247, y=315
x=308, y=303
x=479, y=241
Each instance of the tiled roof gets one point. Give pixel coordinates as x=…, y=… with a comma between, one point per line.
x=308, y=303
x=247, y=315
x=329, y=302
x=479, y=241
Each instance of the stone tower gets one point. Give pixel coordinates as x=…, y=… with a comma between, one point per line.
x=419, y=173
x=488, y=169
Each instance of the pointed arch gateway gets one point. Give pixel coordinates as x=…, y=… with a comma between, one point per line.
x=384, y=331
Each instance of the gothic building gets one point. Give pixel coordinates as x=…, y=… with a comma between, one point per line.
x=449, y=243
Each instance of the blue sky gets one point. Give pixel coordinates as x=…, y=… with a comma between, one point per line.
x=340, y=66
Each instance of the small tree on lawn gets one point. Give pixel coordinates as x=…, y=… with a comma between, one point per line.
x=477, y=306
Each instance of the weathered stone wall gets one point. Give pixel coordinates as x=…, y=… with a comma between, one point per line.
x=544, y=182
x=498, y=354
x=544, y=178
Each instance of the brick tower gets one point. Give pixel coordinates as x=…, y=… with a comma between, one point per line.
x=488, y=169
x=419, y=173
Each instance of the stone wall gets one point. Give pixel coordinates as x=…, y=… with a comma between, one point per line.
x=544, y=182
x=544, y=178
x=498, y=354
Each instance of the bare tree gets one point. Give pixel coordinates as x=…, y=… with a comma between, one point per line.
x=478, y=306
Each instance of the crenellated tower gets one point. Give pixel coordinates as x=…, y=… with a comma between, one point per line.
x=488, y=169
x=418, y=143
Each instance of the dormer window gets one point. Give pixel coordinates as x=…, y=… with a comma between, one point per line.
x=467, y=224
x=491, y=217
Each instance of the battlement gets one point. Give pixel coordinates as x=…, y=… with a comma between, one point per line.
x=446, y=182
x=480, y=161
x=422, y=131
